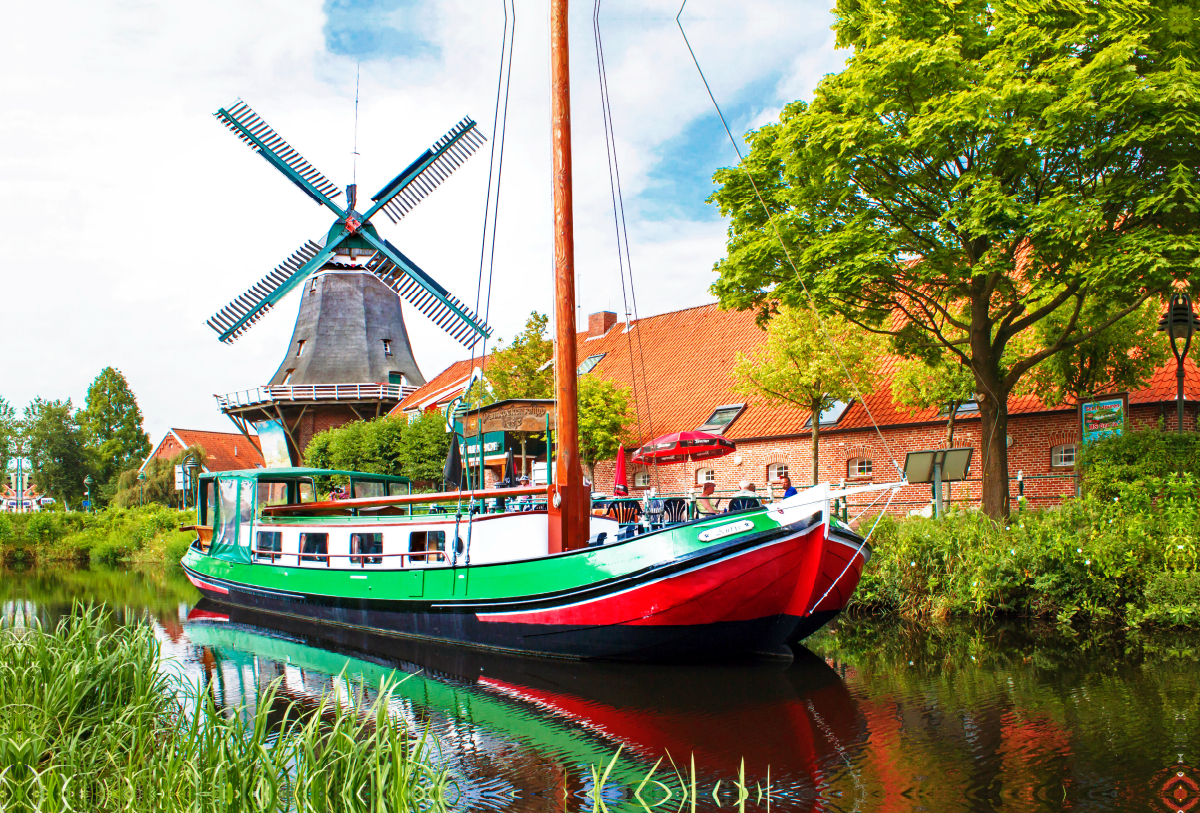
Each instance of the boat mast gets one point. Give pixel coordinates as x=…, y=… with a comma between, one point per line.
x=569, y=500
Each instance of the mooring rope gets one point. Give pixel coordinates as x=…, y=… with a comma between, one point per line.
x=894, y=491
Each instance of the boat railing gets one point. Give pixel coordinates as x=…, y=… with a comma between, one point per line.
x=360, y=559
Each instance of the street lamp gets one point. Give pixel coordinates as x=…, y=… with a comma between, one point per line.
x=1179, y=323
x=87, y=485
x=141, y=488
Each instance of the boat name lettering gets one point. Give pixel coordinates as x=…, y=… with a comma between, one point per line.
x=726, y=530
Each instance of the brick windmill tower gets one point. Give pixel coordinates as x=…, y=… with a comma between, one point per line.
x=349, y=357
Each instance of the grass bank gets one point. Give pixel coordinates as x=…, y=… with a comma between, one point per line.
x=93, y=723
x=146, y=534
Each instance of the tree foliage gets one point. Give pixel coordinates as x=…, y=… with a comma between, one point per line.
x=946, y=384
x=521, y=370
x=605, y=416
x=426, y=443
x=158, y=485
x=797, y=365
x=56, y=448
x=387, y=445
x=10, y=430
x=112, y=425
x=976, y=169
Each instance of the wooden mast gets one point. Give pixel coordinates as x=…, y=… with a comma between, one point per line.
x=569, y=518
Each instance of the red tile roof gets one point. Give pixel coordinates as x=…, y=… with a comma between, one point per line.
x=687, y=358
x=443, y=387
x=226, y=451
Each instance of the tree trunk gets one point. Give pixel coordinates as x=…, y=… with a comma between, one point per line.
x=816, y=434
x=954, y=405
x=993, y=444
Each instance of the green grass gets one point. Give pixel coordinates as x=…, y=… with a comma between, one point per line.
x=91, y=722
x=148, y=533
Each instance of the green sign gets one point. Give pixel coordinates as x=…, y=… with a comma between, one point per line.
x=1103, y=416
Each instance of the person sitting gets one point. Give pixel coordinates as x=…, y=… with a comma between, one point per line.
x=788, y=490
x=744, y=498
x=705, y=506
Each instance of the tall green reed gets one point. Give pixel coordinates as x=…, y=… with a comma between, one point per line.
x=92, y=723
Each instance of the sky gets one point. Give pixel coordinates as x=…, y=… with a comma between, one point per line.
x=133, y=216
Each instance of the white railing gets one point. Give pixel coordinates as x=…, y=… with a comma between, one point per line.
x=313, y=392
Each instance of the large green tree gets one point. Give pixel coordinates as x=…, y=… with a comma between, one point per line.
x=605, y=416
x=10, y=432
x=801, y=365
x=112, y=425
x=943, y=382
x=426, y=443
x=521, y=370
x=56, y=448
x=976, y=168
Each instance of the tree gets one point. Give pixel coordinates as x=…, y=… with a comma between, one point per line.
x=426, y=443
x=56, y=448
x=797, y=366
x=604, y=420
x=946, y=383
x=1123, y=357
x=10, y=432
x=521, y=370
x=368, y=446
x=158, y=486
x=975, y=169
x=112, y=426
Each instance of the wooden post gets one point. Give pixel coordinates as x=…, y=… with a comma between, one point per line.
x=569, y=520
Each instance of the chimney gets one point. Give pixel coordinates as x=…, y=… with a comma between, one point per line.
x=600, y=323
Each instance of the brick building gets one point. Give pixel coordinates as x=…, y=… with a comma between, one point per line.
x=224, y=451
x=679, y=366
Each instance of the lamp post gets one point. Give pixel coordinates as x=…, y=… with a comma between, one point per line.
x=87, y=486
x=141, y=488
x=1179, y=323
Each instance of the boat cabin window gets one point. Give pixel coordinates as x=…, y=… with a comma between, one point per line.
x=367, y=488
x=317, y=546
x=208, y=502
x=396, y=489
x=308, y=490
x=227, y=514
x=270, y=545
x=273, y=492
x=366, y=543
x=425, y=541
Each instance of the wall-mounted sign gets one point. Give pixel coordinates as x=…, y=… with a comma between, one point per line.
x=516, y=415
x=1103, y=416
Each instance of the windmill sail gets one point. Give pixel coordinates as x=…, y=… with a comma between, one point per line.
x=236, y=318
x=425, y=174
x=262, y=138
x=431, y=299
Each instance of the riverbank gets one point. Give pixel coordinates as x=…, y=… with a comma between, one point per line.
x=148, y=534
x=116, y=732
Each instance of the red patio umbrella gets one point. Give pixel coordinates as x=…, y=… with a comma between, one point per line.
x=680, y=446
x=620, y=484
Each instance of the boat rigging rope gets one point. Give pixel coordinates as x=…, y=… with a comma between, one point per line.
x=624, y=259
x=787, y=254
x=893, y=492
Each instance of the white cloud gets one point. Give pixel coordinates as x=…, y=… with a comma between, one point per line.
x=131, y=215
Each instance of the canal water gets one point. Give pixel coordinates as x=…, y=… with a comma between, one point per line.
x=875, y=715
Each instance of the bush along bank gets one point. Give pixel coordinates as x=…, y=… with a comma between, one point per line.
x=150, y=533
x=103, y=727
x=1127, y=550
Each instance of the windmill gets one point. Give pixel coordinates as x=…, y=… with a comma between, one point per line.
x=349, y=356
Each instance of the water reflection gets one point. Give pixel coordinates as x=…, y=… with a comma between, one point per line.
x=891, y=716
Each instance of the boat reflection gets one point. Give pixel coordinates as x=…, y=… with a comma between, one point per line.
x=796, y=718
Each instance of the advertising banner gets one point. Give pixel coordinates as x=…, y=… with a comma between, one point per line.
x=1103, y=416
x=273, y=440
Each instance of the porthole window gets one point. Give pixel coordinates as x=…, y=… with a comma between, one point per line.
x=777, y=471
x=859, y=467
x=1063, y=456
x=706, y=476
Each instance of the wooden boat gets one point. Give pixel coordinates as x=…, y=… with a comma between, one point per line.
x=553, y=581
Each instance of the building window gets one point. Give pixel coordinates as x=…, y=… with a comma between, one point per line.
x=1063, y=456
x=858, y=467
x=589, y=363
x=287, y=376
x=832, y=415
x=641, y=479
x=776, y=472
x=721, y=418
x=387, y=347
x=397, y=379
x=965, y=408
x=300, y=348
x=705, y=476
x=312, y=289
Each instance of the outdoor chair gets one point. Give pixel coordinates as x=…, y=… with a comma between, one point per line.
x=742, y=504
x=674, y=510
x=624, y=511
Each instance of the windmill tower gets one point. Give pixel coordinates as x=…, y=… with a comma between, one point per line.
x=349, y=357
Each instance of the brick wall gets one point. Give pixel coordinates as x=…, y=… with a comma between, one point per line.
x=1033, y=437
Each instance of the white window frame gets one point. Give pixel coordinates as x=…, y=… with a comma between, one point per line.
x=719, y=428
x=1056, y=455
x=387, y=347
x=641, y=479
x=709, y=476
x=774, y=470
x=854, y=468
